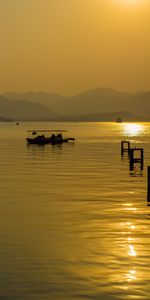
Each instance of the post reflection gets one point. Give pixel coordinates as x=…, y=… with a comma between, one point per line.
x=137, y=172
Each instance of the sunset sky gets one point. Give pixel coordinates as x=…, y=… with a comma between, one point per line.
x=68, y=46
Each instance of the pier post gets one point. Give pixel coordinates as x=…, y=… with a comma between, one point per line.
x=125, y=147
x=134, y=159
x=148, y=185
x=131, y=160
x=142, y=159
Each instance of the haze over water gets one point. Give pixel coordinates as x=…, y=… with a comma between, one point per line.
x=68, y=46
x=74, y=220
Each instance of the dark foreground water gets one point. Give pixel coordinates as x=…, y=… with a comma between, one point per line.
x=74, y=221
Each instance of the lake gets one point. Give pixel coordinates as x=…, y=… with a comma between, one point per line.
x=74, y=222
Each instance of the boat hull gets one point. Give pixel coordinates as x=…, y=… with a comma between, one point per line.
x=44, y=141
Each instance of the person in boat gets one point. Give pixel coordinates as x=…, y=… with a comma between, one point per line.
x=41, y=137
x=56, y=139
x=59, y=135
x=59, y=138
x=53, y=138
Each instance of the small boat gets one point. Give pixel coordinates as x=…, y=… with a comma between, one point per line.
x=119, y=120
x=42, y=137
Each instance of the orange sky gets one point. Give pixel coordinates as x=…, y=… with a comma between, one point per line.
x=67, y=46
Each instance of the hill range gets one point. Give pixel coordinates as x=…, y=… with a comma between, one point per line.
x=101, y=104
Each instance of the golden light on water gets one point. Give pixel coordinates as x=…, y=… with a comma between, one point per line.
x=132, y=129
x=131, y=275
x=132, y=251
x=130, y=227
x=129, y=207
x=129, y=239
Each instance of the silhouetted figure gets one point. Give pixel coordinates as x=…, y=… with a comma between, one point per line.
x=59, y=138
x=53, y=138
x=41, y=137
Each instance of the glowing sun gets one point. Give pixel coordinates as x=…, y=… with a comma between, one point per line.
x=130, y=2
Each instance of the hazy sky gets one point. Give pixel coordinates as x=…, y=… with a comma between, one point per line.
x=67, y=46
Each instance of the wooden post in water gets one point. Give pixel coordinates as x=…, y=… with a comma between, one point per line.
x=148, y=185
x=124, y=148
x=142, y=159
x=134, y=159
x=131, y=160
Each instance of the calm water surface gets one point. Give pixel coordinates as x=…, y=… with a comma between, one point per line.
x=74, y=220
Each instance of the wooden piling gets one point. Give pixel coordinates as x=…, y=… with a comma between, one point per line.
x=124, y=148
x=148, y=185
x=131, y=160
x=134, y=159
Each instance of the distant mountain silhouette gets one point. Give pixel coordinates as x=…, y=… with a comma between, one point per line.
x=3, y=119
x=44, y=98
x=26, y=110
x=103, y=100
x=98, y=101
x=102, y=117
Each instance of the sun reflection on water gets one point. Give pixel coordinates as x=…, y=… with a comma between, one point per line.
x=131, y=248
x=132, y=251
x=131, y=275
x=129, y=230
x=132, y=129
x=129, y=207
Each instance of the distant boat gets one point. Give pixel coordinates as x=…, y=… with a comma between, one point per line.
x=119, y=120
x=42, y=137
